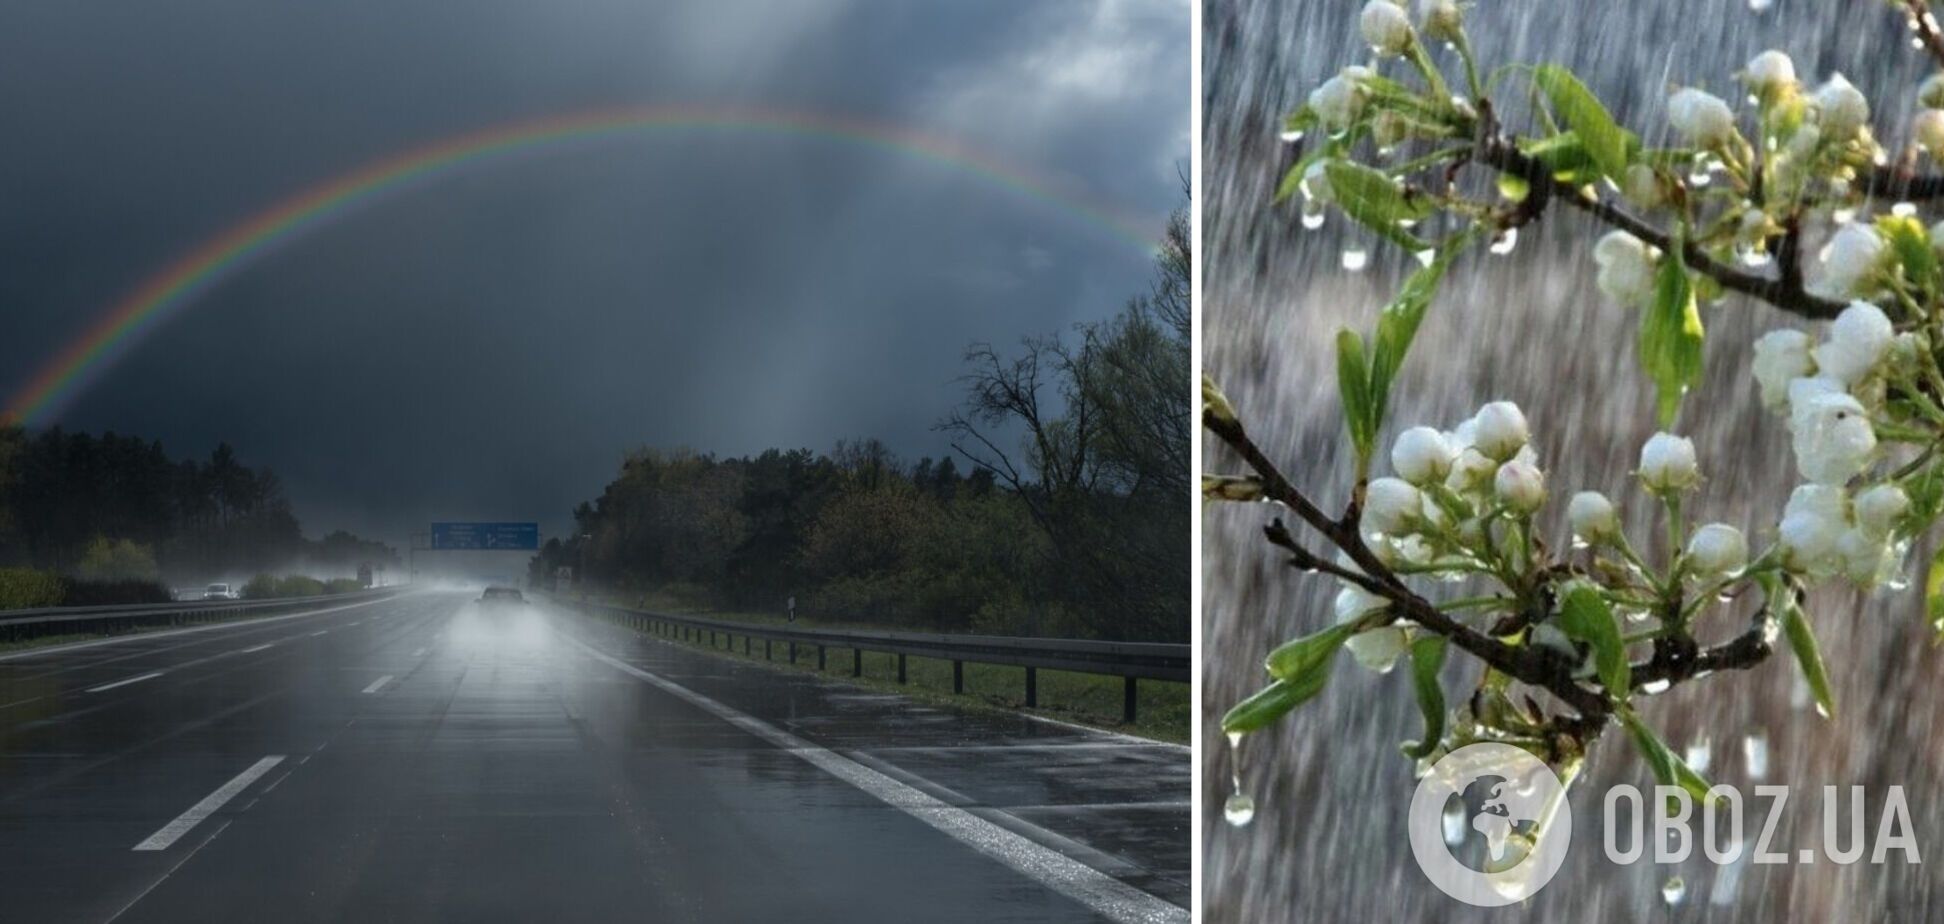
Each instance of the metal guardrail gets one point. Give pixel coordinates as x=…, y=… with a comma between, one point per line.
x=22, y=625
x=1134, y=661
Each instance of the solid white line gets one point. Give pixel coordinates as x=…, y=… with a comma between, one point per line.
x=1106, y=895
x=247, y=622
x=376, y=684
x=122, y=683
x=170, y=832
x=256, y=649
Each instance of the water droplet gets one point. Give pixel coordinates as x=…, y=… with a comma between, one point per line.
x=1699, y=754
x=1799, y=693
x=1290, y=135
x=1674, y=890
x=1312, y=219
x=1917, y=43
x=1507, y=239
x=1843, y=216
x=1355, y=258
x=1454, y=823
x=1239, y=810
x=1755, y=754
x=1904, y=209
x=1235, y=739
x=1425, y=256
x=1653, y=687
x=1759, y=5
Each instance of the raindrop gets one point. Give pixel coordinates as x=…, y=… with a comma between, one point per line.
x=1842, y=216
x=1799, y=693
x=1291, y=135
x=1507, y=240
x=1454, y=824
x=1425, y=256
x=1312, y=220
x=1634, y=615
x=1755, y=753
x=1699, y=754
x=1753, y=256
x=1355, y=258
x=1917, y=43
x=1760, y=5
x=1822, y=710
x=1674, y=890
x=1904, y=209
x=1653, y=687
x=1239, y=810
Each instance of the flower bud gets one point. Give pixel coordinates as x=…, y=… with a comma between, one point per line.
x=1858, y=340
x=1852, y=259
x=1500, y=430
x=1441, y=20
x=1865, y=559
x=1930, y=93
x=1928, y=129
x=1470, y=472
x=1831, y=431
x=1215, y=404
x=1701, y=118
x=1592, y=517
x=1627, y=273
x=1242, y=488
x=1421, y=456
x=1385, y=27
x=1717, y=549
x=1392, y=507
x=1781, y=356
x=1808, y=542
x=1389, y=130
x=1641, y=187
x=1667, y=463
x=1770, y=74
x=1879, y=507
x=1338, y=101
x=1841, y=107
x=1520, y=486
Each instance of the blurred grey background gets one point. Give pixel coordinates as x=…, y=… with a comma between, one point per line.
x=1328, y=840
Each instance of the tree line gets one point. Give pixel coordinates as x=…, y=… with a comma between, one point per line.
x=1064, y=509
x=110, y=507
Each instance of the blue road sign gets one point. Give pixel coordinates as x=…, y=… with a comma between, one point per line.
x=490, y=536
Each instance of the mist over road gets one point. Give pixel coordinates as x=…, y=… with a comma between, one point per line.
x=419, y=758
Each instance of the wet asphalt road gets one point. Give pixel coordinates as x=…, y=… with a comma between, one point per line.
x=417, y=759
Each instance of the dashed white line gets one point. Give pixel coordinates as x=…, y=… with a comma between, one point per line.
x=122, y=683
x=378, y=684
x=255, y=649
x=319, y=632
x=418, y=653
x=1110, y=897
x=182, y=824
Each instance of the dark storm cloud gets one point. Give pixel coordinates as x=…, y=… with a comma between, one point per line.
x=489, y=344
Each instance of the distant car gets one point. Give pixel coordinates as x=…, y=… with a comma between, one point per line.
x=501, y=596
x=218, y=592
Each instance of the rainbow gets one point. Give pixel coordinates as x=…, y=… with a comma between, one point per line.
x=179, y=284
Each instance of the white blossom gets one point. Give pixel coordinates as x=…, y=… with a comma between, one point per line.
x=1667, y=463
x=1441, y=20
x=1717, y=549
x=1421, y=455
x=1338, y=101
x=1879, y=507
x=1640, y=185
x=1377, y=648
x=1833, y=439
x=1386, y=27
x=1592, y=517
x=1852, y=258
x=1812, y=522
x=1471, y=472
x=1769, y=72
x=1928, y=129
x=1781, y=356
x=1858, y=340
x=1392, y=506
x=1500, y=430
x=1865, y=559
x=1842, y=108
x=1627, y=272
x=1701, y=117
x=1520, y=486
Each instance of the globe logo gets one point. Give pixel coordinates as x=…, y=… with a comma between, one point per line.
x=1505, y=804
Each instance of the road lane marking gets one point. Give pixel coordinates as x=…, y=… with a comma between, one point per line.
x=255, y=649
x=247, y=622
x=1106, y=895
x=182, y=824
x=376, y=684
x=319, y=632
x=418, y=653
x=122, y=683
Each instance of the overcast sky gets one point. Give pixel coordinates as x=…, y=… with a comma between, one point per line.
x=487, y=345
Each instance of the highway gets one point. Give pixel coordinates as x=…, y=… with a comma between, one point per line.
x=418, y=758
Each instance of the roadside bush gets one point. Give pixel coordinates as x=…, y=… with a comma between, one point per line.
x=342, y=586
x=79, y=592
x=108, y=559
x=21, y=588
x=269, y=586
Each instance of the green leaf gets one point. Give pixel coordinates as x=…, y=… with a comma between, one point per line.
x=1375, y=201
x=1671, y=335
x=1911, y=243
x=1605, y=141
x=1271, y=703
x=1427, y=657
x=1669, y=770
x=1353, y=386
x=1934, y=595
x=1808, y=655
x=1295, y=660
x=1585, y=616
x=1398, y=324
x=1564, y=156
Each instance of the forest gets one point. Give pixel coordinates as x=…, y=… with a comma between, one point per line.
x=1062, y=510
